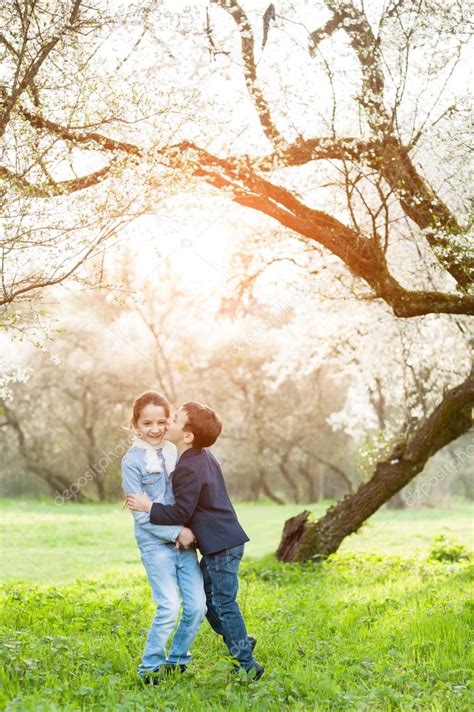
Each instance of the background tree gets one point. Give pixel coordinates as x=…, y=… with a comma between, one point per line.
x=371, y=173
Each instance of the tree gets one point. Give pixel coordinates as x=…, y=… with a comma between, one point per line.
x=65, y=424
x=62, y=205
x=397, y=216
x=451, y=419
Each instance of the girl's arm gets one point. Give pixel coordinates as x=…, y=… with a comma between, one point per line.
x=131, y=484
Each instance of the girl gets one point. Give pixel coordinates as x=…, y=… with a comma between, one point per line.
x=147, y=467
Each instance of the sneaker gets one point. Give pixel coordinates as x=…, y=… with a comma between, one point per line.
x=252, y=641
x=153, y=678
x=259, y=670
x=173, y=667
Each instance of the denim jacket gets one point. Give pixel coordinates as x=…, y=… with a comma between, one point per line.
x=135, y=480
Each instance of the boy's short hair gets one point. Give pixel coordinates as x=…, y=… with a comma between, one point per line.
x=203, y=423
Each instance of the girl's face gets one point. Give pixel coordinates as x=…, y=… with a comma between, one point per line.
x=151, y=424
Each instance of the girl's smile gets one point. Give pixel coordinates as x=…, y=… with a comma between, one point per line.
x=151, y=424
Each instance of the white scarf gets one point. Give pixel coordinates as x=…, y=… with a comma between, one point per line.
x=152, y=463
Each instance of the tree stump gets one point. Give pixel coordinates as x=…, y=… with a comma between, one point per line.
x=290, y=538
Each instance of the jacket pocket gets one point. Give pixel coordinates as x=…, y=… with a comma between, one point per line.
x=151, y=478
x=154, y=485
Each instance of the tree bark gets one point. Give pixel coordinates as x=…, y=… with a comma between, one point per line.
x=448, y=421
x=292, y=533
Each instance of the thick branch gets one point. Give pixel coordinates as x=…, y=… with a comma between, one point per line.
x=387, y=155
x=250, y=70
x=448, y=421
x=51, y=189
x=354, y=22
x=392, y=161
x=67, y=133
x=361, y=255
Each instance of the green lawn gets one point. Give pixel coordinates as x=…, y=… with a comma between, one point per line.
x=42, y=541
x=378, y=626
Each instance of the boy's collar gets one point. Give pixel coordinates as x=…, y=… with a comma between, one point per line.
x=191, y=452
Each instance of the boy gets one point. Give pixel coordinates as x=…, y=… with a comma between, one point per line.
x=203, y=504
x=170, y=569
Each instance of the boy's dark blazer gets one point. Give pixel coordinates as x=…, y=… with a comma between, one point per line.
x=201, y=503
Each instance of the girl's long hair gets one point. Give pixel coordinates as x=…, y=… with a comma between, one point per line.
x=144, y=399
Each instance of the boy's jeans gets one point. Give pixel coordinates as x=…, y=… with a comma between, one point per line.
x=220, y=573
x=170, y=569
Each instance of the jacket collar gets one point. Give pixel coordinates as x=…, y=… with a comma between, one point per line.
x=192, y=452
x=152, y=463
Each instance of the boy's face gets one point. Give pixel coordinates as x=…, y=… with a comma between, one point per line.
x=152, y=423
x=174, y=431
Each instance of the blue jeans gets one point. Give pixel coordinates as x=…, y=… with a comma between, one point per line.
x=221, y=583
x=172, y=572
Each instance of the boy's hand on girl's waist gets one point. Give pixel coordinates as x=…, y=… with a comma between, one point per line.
x=139, y=502
x=185, y=539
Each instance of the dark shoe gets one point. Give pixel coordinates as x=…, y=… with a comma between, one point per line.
x=170, y=669
x=153, y=678
x=259, y=670
x=254, y=673
x=252, y=641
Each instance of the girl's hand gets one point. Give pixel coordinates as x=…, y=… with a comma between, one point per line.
x=139, y=502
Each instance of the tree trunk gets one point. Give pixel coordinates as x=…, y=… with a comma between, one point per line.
x=100, y=487
x=266, y=489
x=292, y=532
x=311, y=487
x=449, y=420
x=285, y=471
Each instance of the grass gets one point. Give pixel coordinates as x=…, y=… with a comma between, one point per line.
x=42, y=541
x=363, y=631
